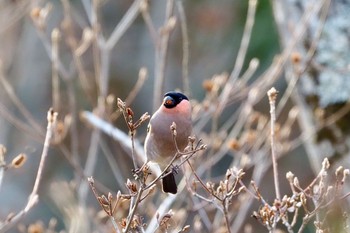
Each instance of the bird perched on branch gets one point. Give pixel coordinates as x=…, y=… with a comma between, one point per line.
x=160, y=146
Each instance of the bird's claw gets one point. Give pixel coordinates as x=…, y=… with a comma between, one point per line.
x=175, y=169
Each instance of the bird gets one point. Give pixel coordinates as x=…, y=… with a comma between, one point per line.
x=159, y=143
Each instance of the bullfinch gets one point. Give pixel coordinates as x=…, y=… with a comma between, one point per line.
x=159, y=143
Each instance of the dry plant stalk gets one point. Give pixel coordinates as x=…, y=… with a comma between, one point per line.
x=34, y=196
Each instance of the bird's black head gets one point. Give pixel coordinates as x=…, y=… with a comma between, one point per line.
x=172, y=98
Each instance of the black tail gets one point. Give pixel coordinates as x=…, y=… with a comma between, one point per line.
x=169, y=184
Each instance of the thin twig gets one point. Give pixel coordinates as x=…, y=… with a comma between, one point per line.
x=90, y=164
x=185, y=47
x=63, y=72
x=143, y=74
x=124, y=24
x=161, y=53
x=115, y=133
x=2, y=163
x=51, y=119
x=132, y=138
x=272, y=94
x=19, y=124
x=161, y=209
x=110, y=211
x=113, y=164
x=227, y=221
x=134, y=208
x=241, y=55
x=34, y=196
x=55, y=37
x=150, y=25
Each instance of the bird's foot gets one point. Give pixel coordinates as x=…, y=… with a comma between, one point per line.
x=175, y=169
x=141, y=172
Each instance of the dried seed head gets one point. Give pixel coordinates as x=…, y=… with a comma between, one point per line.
x=144, y=117
x=121, y=104
x=290, y=176
x=86, y=39
x=118, y=195
x=345, y=174
x=123, y=223
x=210, y=186
x=52, y=224
x=186, y=228
x=130, y=113
x=221, y=188
x=253, y=94
x=241, y=189
x=293, y=113
x=254, y=63
x=234, y=144
x=110, y=100
x=110, y=196
x=171, y=23
x=55, y=35
x=164, y=220
x=19, y=160
x=208, y=85
x=131, y=186
x=103, y=200
x=339, y=171
x=2, y=155
x=143, y=73
x=272, y=94
x=3, y=150
x=52, y=116
x=303, y=198
x=295, y=57
x=191, y=139
x=245, y=160
x=144, y=6
x=60, y=128
x=173, y=128
x=229, y=173
x=325, y=164
x=39, y=15
x=296, y=182
x=194, y=185
x=35, y=12
x=36, y=228
x=91, y=180
x=329, y=191
x=88, y=34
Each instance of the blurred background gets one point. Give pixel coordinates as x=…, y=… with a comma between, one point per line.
x=215, y=29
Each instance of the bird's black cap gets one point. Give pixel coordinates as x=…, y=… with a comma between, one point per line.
x=173, y=98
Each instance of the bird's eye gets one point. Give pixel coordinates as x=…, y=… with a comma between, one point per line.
x=169, y=102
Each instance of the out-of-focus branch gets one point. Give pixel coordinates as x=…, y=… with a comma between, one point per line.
x=272, y=94
x=2, y=163
x=124, y=24
x=161, y=53
x=115, y=133
x=34, y=197
x=17, y=102
x=185, y=47
x=241, y=55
